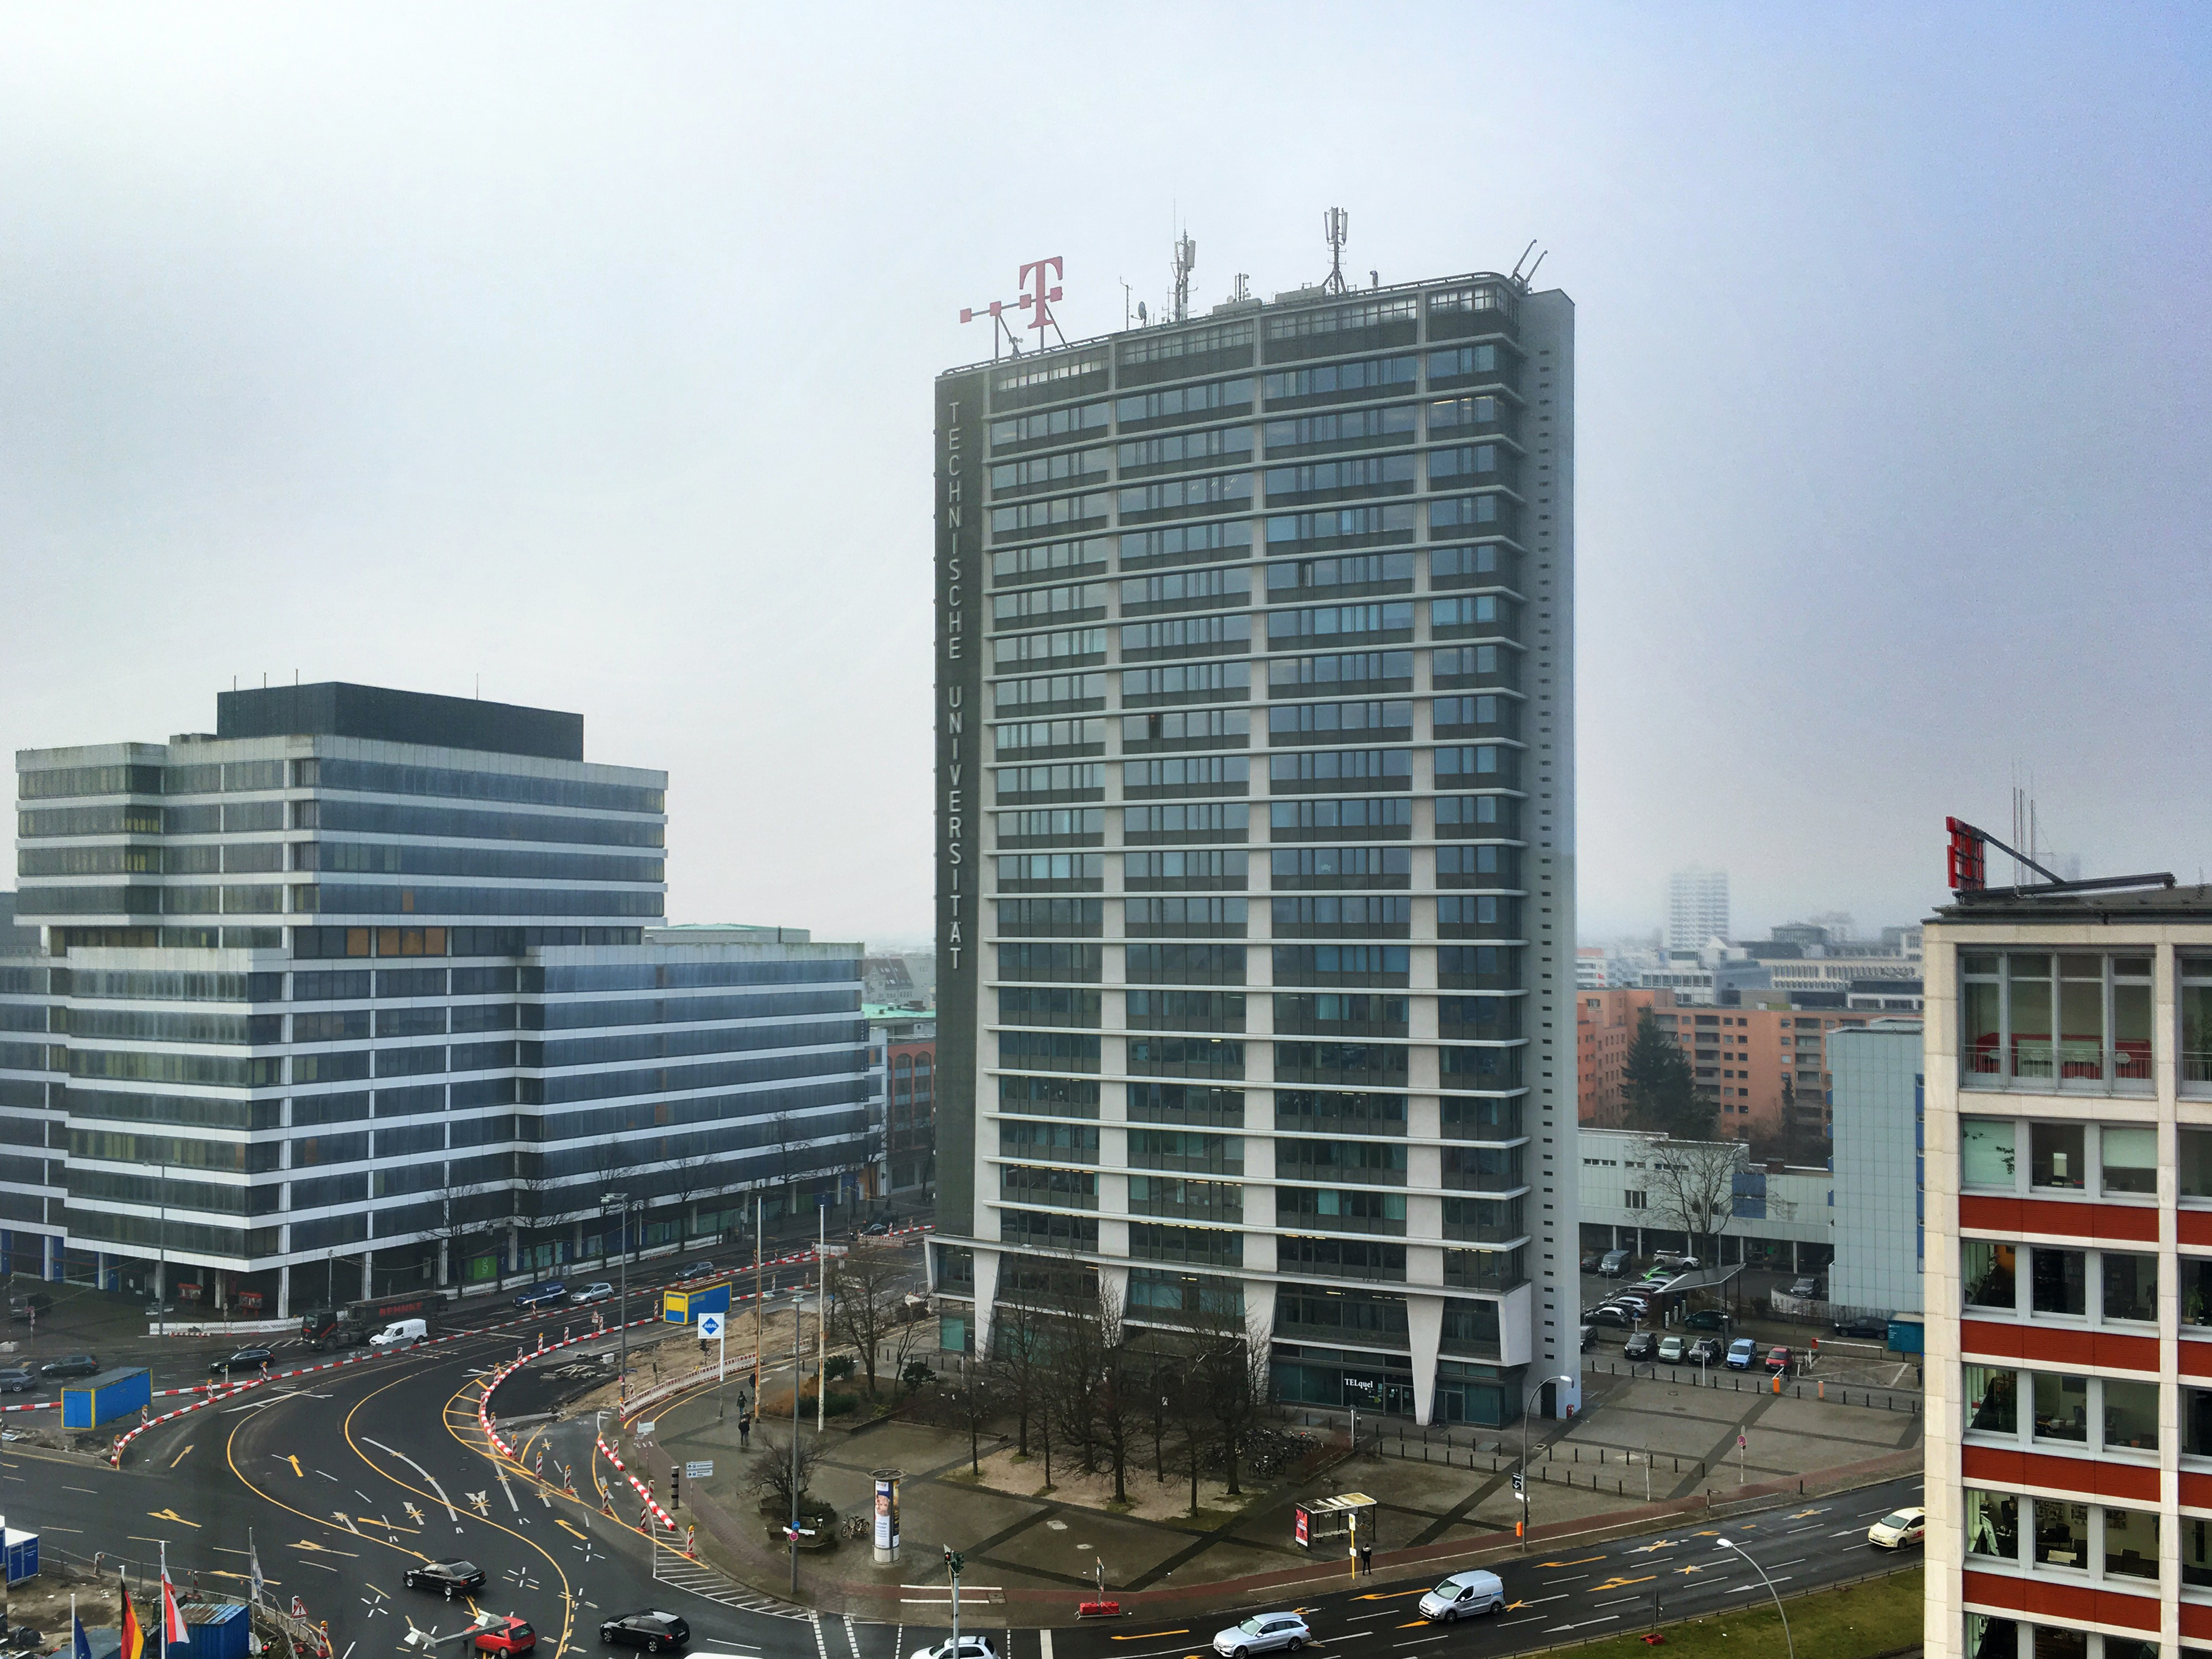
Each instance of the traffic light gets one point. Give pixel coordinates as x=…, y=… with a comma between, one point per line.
x=952, y=1561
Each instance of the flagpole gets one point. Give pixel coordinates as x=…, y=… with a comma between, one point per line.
x=164, y=1612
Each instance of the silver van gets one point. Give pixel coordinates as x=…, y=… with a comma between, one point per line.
x=1464, y=1595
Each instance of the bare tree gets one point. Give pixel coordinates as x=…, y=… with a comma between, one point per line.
x=771, y=1475
x=1075, y=1370
x=1229, y=1366
x=1018, y=1344
x=1118, y=1405
x=1693, y=1182
x=690, y=1176
x=976, y=1400
x=867, y=1290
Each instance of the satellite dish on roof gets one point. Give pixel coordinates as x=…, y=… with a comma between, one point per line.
x=1140, y=310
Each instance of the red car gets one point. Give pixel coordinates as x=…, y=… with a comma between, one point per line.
x=512, y=1634
x=1777, y=1361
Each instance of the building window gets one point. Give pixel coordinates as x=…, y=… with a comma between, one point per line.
x=1987, y=1271
x=2061, y=1534
x=1987, y=1156
x=2060, y=1280
x=1993, y=1525
x=2130, y=1285
x=2060, y=1022
x=2056, y=1156
x=2131, y=1543
x=2062, y=1407
x=1992, y=1397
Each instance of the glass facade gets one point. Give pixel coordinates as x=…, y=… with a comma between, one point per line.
x=1291, y=661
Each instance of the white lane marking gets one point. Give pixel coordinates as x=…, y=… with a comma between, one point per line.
x=853, y=1639
x=1571, y=1578
x=1539, y=1600
x=451, y=1513
x=1609, y=1618
x=508, y=1490
x=821, y=1647
x=1417, y=1641
x=1044, y=1639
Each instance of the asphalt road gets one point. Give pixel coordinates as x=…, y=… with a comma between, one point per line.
x=343, y=1479
x=1565, y=1592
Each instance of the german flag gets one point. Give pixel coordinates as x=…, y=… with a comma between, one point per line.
x=134, y=1638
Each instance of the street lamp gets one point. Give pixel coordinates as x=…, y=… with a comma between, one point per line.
x=1528, y=1515
x=1730, y=1544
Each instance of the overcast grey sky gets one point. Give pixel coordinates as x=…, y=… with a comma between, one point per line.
x=589, y=350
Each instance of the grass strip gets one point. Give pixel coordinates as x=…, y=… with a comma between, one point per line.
x=1853, y=1622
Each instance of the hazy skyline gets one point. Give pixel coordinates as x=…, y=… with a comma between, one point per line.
x=589, y=351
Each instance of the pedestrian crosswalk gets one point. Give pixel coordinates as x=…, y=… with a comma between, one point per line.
x=702, y=1580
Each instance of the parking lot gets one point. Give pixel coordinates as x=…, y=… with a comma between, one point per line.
x=1725, y=1305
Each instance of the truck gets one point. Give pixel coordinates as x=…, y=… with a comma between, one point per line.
x=353, y=1324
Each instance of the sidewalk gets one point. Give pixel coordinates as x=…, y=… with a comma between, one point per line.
x=1037, y=1555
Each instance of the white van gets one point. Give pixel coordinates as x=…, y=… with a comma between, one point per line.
x=1463, y=1595
x=400, y=1334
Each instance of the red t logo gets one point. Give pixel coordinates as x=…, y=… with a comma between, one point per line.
x=1038, y=302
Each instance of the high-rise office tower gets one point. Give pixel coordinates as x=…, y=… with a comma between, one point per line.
x=1256, y=869
x=367, y=991
x=1696, y=909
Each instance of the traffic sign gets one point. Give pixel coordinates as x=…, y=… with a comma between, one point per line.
x=710, y=1326
x=700, y=1471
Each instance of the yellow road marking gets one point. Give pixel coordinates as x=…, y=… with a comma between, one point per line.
x=1579, y=1561
x=180, y=1457
x=293, y=1460
x=319, y=1549
x=565, y=1527
x=1622, y=1583
x=171, y=1515
x=1149, y=1635
x=1392, y=1596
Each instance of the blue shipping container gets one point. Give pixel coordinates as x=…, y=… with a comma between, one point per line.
x=111, y=1395
x=218, y=1631
x=23, y=1556
x=1907, y=1336
x=685, y=1307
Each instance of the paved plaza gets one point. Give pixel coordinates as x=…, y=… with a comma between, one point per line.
x=1036, y=1548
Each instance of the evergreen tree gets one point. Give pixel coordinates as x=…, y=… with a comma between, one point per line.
x=1663, y=1095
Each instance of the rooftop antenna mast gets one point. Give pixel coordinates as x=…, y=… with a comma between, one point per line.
x=1186, y=261
x=1336, y=224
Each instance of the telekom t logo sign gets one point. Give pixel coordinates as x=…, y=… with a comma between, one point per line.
x=1038, y=301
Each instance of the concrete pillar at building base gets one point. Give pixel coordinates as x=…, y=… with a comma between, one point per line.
x=1424, y=1325
x=284, y=1292
x=986, y=1294
x=367, y=1267
x=50, y=1259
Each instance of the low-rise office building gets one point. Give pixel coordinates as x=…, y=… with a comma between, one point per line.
x=369, y=989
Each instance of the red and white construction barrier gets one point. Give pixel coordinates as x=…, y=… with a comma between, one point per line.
x=652, y=1503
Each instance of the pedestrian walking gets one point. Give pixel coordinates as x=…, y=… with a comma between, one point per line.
x=1367, y=1557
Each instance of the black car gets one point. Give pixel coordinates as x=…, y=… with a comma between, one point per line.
x=650, y=1629
x=445, y=1579
x=71, y=1365
x=21, y=1308
x=1863, y=1327
x=243, y=1359
x=15, y=1379
x=1642, y=1346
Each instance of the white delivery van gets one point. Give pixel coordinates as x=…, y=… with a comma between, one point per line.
x=400, y=1334
x=1464, y=1595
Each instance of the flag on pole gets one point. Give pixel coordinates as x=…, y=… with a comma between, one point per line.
x=173, y=1616
x=83, y=1647
x=134, y=1638
x=253, y=1559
